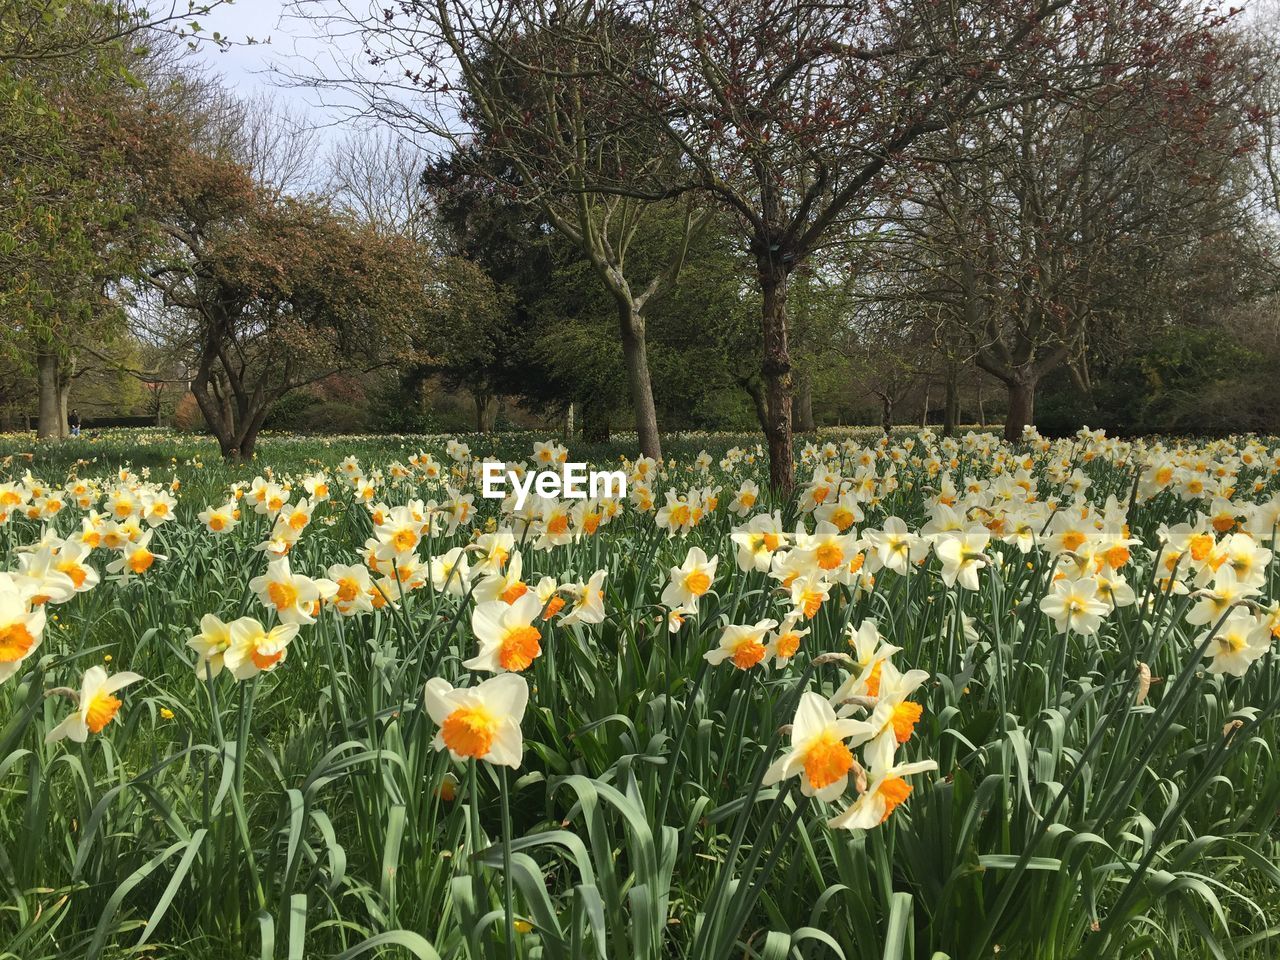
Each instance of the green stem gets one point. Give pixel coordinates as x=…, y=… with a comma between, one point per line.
x=508, y=896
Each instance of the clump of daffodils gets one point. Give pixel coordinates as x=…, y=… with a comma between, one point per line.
x=826, y=739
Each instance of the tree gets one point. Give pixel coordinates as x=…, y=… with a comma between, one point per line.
x=1086, y=207
x=80, y=138
x=466, y=339
x=801, y=116
x=35, y=31
x=515, y=90
x=378, y=178
x=887, y=339
x=275, y=292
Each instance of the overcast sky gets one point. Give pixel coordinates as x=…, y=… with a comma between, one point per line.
x=248, y=68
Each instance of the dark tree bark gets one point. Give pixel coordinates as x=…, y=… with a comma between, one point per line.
x=639, y=383
x=234, y=410
x=777, y=373
x=484, y=415
x=1022, y=403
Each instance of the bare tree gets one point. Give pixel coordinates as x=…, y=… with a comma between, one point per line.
x=376, y=175
x=1051, y=223
x=517, y=91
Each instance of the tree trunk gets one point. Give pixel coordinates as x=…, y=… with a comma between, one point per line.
x=636, y=357
x=1022, y=402
x=247, y=444
x=951, y=412
x=982, y=412
x=253, y=421
x=64, y=394
x=47, y=423
x=595, y=422
x=481, y=401
x=755, y=390
x=924, y=415
x=886, y=414
x=777, y=375
x=568, y=423
x=802, y=419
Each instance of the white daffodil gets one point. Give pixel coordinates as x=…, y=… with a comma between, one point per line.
x=887, y=791
x=508, y=639
x=254, y=649
x=818, y=749
x=743, y=644
x=1074, y=605
x=480, y=722
x=690, y=581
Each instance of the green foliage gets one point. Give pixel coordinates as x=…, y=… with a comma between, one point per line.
x=702, y=336
x=302, y=814
x=1188, y=380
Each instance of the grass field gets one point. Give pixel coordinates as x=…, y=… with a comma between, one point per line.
x=954, y=699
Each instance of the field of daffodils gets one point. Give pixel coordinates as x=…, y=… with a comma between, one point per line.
x=954, y=699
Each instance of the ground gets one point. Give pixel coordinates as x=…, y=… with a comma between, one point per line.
x=333, y=702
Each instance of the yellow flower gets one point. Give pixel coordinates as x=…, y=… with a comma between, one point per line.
x=480, y=722
x=97, y=705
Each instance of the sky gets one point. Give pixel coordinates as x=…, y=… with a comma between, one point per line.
x=247, y=68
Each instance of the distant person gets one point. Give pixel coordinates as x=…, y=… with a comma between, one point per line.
x=73, y=421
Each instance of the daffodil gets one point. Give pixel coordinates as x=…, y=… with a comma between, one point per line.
x=1074, y=605
x=509, y=642
x=221, y=519
x=759, y=541
x=894, y=718
x=962, y=557
x=818, y=749
x=870, y=652
x=480, y=722
x=587, y=599
x=355, y=590
x=1240, y=641
x=451, y=572
x=21, y=626
x=211, y=644
x=808, y=594
x=690, y=581
x=493, y=551
x=503, y=583
x=784, y=643
x=39, y=576
x=742, y=644
x=255, y=649
x=135, y=559
x=887, y=791
x=97, y=705
x=295, y=598
x=676, y=618
x=744, y=500
x=828, y=548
